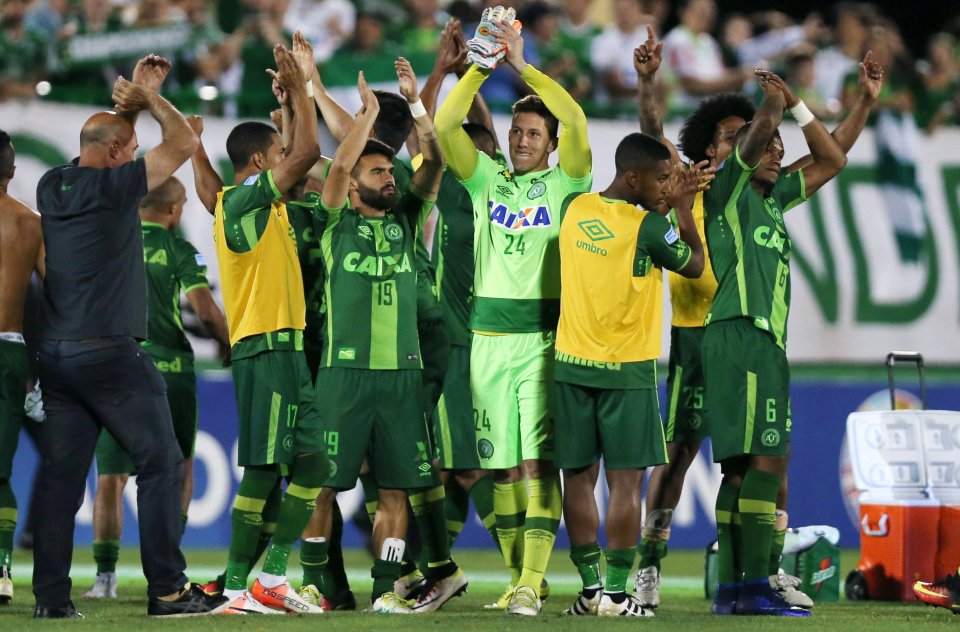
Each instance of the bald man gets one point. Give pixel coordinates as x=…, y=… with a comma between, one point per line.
x=21, y=251
x=173, y=267
x=93, y=317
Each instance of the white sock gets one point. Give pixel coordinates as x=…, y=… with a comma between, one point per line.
x=270, y=581
x=232, y=594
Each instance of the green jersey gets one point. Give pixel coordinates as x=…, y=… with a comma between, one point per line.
x=173, y=266
x=749, y=246
x=370, y=289
x=428, y=305
x=300, y=215
x=516, y=279
x=453, y=255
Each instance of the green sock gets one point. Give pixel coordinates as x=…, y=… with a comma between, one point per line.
x=619, y=563
x=314, y=558
x=482, y=495
x=651, y=552
x=540, y=529
x=758, y=507
x=309, y=474
x=105, y=554
x=246, y=521
x=384, y=574
x=430, y=514
x=335, y=579
x=728, y=568
x=776, y=550
x=586, y=557
x=457, y=506
x=371, y=495
x=510, y=504
x=8, y=522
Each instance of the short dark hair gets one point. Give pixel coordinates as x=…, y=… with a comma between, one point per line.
x=246, y=139
x=6, y=153
x=476, y=131
x=637, y=151
x=375, y=147
x=394, y=121
x=700, y=128
x=533, y=103
x=162, y=195
x=743, y=132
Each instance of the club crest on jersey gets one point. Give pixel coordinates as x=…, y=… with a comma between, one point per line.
x=530, y=217
x=393, y=232
x=537, y=190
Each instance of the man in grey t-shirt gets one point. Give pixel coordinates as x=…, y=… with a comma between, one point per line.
x=94, y=374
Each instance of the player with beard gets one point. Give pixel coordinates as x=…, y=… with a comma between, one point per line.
x=371, y=364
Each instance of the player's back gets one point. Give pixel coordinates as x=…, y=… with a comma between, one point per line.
x=20, y=241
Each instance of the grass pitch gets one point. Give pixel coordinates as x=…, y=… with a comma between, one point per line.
x=684, y=607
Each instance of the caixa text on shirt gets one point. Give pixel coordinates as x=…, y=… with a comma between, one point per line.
x=530, y=217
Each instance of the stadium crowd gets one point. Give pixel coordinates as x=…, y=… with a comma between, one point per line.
x=486, y=372
x=72, y=50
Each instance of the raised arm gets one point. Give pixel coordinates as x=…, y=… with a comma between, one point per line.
x=205, y=178
x=765, y=122
x=850, y=128
x=303, y=150
x=646, y=61
x=573, y=146
x=451, y=56
x=338, y=120
x=459, y=150
x=179, y=141
x=336, y=189
x=150, y=72
x=684, y=183
x=210, y=314
x=828, y=158
x=426, y=181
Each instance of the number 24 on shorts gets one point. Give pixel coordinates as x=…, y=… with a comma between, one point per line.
x=480, y=419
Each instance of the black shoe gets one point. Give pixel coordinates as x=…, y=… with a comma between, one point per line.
x=56, y=612
x=192, y=603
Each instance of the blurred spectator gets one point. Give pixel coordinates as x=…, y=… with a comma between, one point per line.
x=801, y=77
x=693, y=56
x=420, y=32
x=23, y=53
x=367, y=50
x=833, y=64
x=49, y=17
x=150, y=13
x=763, y=38
x=566, y=55
x=611, y=53
x=940, y=74
x=326, y=23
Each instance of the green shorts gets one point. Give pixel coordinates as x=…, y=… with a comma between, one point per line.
x=14, y=374
x=375, y=415
x=277, y=408
x=686, y=419
x=511, y=379
x=623, y=426
x=182, y=398
x=454, y=426
x=748, y=390
x=435, y=351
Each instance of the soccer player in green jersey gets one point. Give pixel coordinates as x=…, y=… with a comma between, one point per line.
x=371, y=359
x=516, y=303
x=173, y=266
x=706, y=135
x=745, y=366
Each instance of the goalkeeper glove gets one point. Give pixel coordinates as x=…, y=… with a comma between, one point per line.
x=33, y=404
x=483, y=49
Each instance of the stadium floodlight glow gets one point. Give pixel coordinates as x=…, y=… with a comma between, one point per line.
x=43, y=88
x=208, y=93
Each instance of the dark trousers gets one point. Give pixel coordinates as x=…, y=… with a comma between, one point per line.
x=108, y=383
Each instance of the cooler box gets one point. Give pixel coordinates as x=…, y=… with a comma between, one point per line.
x=818, y=568
x=906, y=463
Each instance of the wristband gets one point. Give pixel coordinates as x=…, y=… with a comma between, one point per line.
x=310, y=89
x=417, y=109
x=802, y=114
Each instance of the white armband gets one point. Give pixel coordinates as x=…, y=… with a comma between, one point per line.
x=417, y=109
x=310, y=89
x=802, y=114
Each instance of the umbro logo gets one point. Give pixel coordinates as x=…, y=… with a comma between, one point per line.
x=595, y=230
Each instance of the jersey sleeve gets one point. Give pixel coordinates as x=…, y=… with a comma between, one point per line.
x=790, y=190
x=729, y=175
x=126, y=184
x=660, y=243
x=325, y=217
x=255, y=194
x=191, y=266
x=413, y=209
